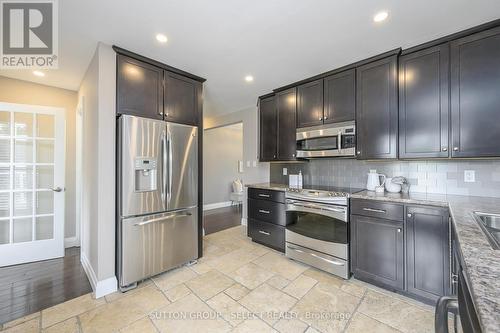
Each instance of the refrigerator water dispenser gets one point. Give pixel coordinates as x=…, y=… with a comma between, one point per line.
x=145, y=174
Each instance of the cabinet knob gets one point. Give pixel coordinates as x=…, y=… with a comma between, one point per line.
x=399, y=229
x=455, y=148
x=325, y=118
x=359, y=153
x=320, y=118
x=444, y=149
x=293, y=155
x=274, y=156
x=409, y=215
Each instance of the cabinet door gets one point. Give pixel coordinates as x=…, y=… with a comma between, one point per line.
x=182, y=99
x=340, y=97
x=310, y=104
x=424, y=103
x=139, y=88
x=377, y=109
x=268, y=129
x=427, y=252
x=475, y=98
x=377, y=251
x=287, y=107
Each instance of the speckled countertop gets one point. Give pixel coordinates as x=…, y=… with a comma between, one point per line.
x=482, y=262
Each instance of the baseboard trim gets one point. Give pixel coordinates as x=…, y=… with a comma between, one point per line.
x=243, y=221
x=217, y=205
x=100, y=288
x=71, y=242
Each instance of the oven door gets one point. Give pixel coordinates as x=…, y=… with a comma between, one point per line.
x=321, y=227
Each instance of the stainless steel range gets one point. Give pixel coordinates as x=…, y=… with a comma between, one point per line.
x=317, y=228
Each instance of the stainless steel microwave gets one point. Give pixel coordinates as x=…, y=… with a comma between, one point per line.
x=332, y=140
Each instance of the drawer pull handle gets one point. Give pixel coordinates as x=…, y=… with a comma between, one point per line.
x=264, y=211
x=336, y=263
x=264, y=233
x=374, y=210
x=264, y=195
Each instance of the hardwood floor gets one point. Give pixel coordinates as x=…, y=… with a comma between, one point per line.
x=27, y=288
x=221, y=219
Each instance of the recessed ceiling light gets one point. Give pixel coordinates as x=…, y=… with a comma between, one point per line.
x=39, y=73
x=161, y=38
x=249, y=78
x=380, y=16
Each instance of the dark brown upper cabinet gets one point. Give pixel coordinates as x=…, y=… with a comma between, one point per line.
x=377, y=109
x=268, y=124
x=182, y=99
x=424, y=103
x=286, y=105
x=310, y=104
x=139, y=88
x=475, y=97
x=339, y=97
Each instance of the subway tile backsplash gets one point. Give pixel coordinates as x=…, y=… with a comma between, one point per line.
x=440, y=177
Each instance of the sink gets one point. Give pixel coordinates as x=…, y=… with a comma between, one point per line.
x=490, y=223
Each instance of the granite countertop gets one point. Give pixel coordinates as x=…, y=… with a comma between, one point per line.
x=482, y=262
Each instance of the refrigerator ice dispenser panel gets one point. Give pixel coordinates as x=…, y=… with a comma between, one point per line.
x=145, y=174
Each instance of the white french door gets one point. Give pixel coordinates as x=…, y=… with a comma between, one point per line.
x=32, y=167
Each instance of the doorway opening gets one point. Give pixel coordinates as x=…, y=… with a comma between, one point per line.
x=222, y=177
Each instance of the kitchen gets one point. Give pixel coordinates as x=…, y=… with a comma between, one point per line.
x=368, y=173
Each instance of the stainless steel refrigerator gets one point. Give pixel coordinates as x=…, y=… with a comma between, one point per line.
x=157, y=197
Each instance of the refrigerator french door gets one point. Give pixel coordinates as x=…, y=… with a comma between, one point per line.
x=157, y=197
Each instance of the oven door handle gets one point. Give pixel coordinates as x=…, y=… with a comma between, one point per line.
x=333, y=262
x=313, y=206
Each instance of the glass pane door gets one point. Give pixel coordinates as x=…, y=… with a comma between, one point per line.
x=29, y=227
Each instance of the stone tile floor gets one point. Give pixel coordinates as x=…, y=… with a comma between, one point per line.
x=238, y=286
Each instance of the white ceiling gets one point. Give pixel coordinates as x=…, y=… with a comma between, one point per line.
x=277, y=41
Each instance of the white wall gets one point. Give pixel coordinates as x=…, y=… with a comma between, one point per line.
x=98, y=170
x=249, y=117
x=222, y=149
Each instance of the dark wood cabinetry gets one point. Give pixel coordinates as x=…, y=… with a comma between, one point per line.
x=377, y=251
x=149, y=91
x=427, y=252
x=286, y=106
x=407, y=252
x=339, y=97
x=182, y=99
x=268, y=125
x=139, y=88
x=475, y=98
x=424, y=103
x=310, y=104
x=267, y=218
x=377, y=109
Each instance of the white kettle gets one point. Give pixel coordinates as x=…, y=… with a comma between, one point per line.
x=374, y=180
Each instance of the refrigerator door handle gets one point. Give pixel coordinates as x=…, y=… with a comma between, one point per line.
x=163, y=165
x=169, y=144
x=163, y=218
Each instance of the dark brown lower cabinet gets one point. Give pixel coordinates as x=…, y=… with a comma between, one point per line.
x=377, y=251
x=427, y=252
x=267, y=217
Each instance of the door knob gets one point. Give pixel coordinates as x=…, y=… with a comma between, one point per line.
x=57, y=189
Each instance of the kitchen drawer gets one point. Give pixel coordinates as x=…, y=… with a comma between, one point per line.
x=376, y=209
x=267, y=234
x=267, y=211
x=262, y=194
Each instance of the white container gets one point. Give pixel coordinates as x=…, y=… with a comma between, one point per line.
x=392, y=187
x=374, y=180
